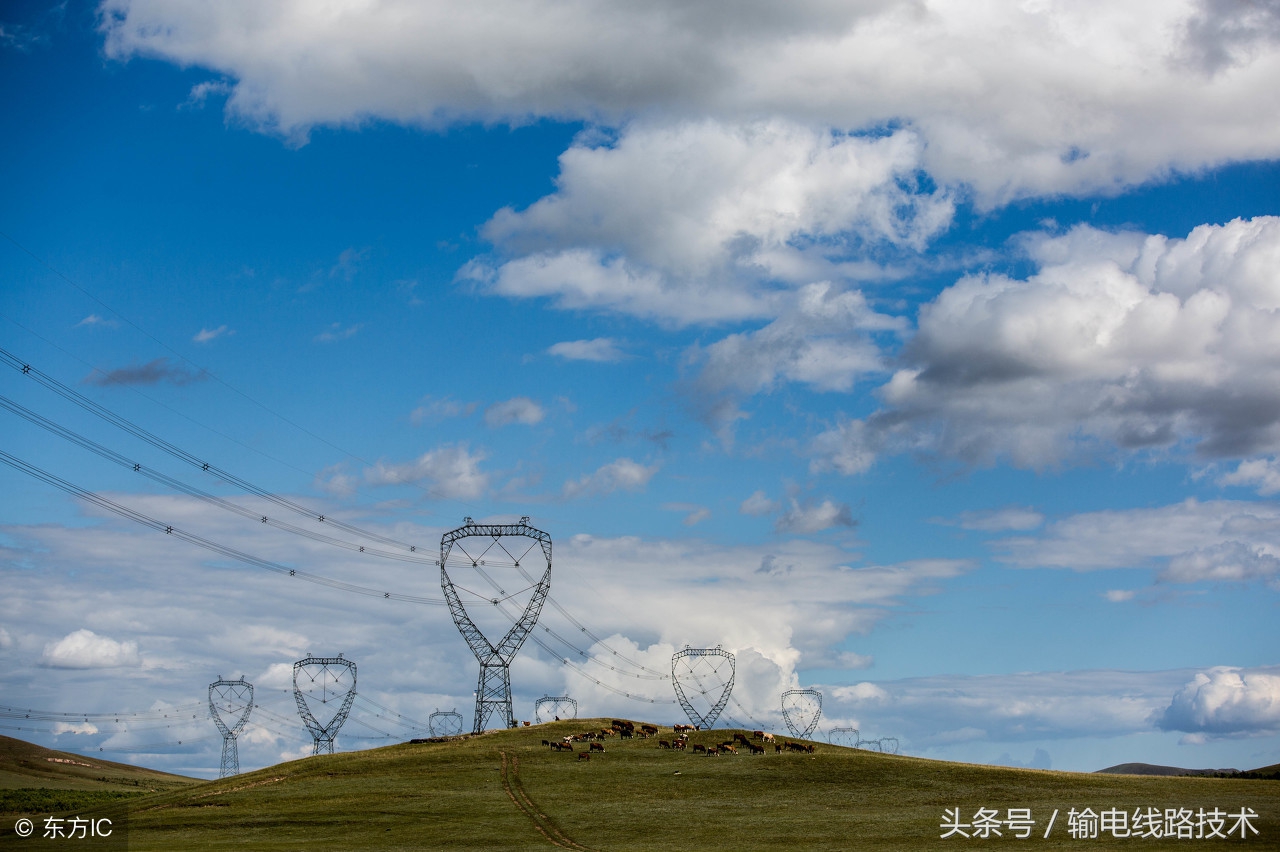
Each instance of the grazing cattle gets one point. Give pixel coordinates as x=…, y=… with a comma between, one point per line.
x=729, y=749
x=597, y=747
x=679, y=728
x=625, y=733
x=584, y=755
x=755, y=749
x=712, y=751
x=777, y=749
x=758, y=734
x=663, y=744
x=650, y=730
x=767, y=737
x=699, y=747
x=545, y=743
x=740, y=738
x=679, y=744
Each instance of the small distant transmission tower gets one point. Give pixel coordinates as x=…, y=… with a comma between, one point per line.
x=317, y=683
x=847, y=737
x=445, y=723
x=493, y=690
x=801, y=710
x=234, y=698
x=701, y=671
x=551, y=707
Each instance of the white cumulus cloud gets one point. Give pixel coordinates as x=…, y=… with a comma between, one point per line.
x=451, y=471
x=1226, y=701
x=812, y=517
x=602, y=349
x=519, y=409
x=1120, y=342
x=620, y=475
x=1012, y=97
x=85, y=649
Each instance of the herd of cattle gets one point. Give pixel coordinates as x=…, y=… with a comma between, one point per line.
x=628, y=730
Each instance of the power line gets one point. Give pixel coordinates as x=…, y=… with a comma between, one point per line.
x=221, y=549
x=177, y=452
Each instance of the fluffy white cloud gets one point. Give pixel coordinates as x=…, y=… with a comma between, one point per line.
x=1120, y=341
x=619, y=475
x=85, y=649
x=1192, y=541
x=451, y=471
x=714, y=216
x=1262, y=474
x=1013, y=97
x=759, y=504
x=815, y=517
x=600, y=349
x=820, y=341
x=1225, y=701
x=519, y=409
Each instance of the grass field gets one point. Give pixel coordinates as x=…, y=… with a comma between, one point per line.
x=506, y=791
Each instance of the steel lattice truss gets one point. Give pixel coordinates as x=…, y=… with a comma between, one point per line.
x=445, y=723
x=847, y=737
x=888, y=745
x=698, y=668
x=801, y=710
x=327, y=680
x=230, y=702
x=493, y=690
x=550, y=707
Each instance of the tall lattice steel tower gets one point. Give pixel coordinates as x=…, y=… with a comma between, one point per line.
x=801, y=710
x=324, y=685
x=483, y=547
x=234, y=700
x=557, y=707
x=698, y=674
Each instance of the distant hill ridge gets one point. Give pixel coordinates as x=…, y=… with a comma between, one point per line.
x=1265, y=772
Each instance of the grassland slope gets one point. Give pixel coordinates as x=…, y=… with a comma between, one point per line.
x=506, y=791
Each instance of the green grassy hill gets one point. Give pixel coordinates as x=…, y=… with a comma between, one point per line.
x=506, y=791
x=26, y=765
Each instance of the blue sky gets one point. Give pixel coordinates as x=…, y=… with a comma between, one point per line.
x=945, y=387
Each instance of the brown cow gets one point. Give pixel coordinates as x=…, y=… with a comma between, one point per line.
x=597, y=747
x=755, y=749
x=584, y=755
x=729, y=749
x=699, y=747
x=663, y=744
x=712, y=751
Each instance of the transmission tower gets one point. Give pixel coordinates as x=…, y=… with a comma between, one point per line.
x=801, y=710
x=695, y=667
x=493, y=690
x=847, y=737
x=318, y=683
x=234, y=700
x=550, y=707
x=445, y=723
